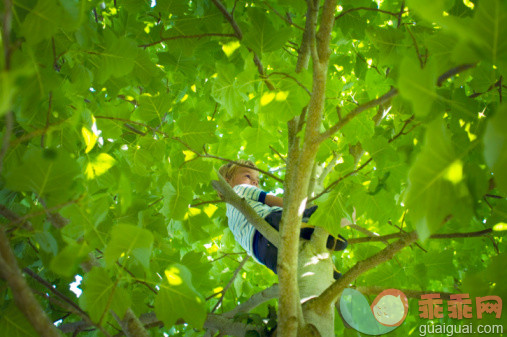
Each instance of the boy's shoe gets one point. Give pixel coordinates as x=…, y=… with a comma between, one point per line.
x=336, y=244
x=336, y=273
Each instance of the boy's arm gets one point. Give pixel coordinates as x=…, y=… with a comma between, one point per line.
x=272, y=200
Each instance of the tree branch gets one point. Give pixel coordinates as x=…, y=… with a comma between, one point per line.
x=14, y=218
x=266, y=173
x=375, y=290
x=23, y=296
x=308, y=39
x=330, y=295
x=282, y=17
x=9, y=122
x=240, y=204
x=131, y=325
x=237, y=32
x=197, y=36
x=292, y=78
x=454, y=71
x=334, y=183
x=382, y=99
x=433, y=236
x=326, y=27
x=366, y=9
x=254, y=301
x=223, y=291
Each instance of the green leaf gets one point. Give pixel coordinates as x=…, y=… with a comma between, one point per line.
x=48, y=173
x=417, y=85
x=195, y=133
x=177, y=298
x=487, y=30
x=495, y=147
x=14, y=324
x=118, y=59
x=195, y=172
x=152, y=107
x=129, y=240
x=66, y=262
x=176, y=200
x=227, y=91
x=43, y=21
x=262, y=36
x=332, y=208
x=101, y=294
x=436, y=188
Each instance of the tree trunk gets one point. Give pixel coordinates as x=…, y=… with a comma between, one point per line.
x=315, y=269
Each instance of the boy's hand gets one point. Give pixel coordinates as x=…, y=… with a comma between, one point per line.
x=272, y=200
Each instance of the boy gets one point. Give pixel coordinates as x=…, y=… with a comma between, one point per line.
x=245, y=182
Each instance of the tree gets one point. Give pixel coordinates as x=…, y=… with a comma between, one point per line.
x=116, y=114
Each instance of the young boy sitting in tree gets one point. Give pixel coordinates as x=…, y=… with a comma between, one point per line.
x=245, y=182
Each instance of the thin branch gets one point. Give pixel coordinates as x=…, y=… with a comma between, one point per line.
x=23, y=296
x=433, y=236
x=344, y=121
x=402, y=10
x=329, y=296
x=282, y=17
x=292, y=78
x=365, y=61
x=153, y=290
x=367, y=9
x=234, y=275
x=6, y=33
x=23, y=219
x=197, y=36
x=308, y=38
x=206, y=203
x=254, y=301
x=328, y=188
x=9, y=122
x=402, y=131
x=419, y=55
x=188, y=147
x=278, y=154
x=375, y=290
x=454, y=71
x=131, y=325
x=228, y=16
x=14, y=218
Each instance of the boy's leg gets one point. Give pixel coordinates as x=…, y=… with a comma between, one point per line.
x=265, y=252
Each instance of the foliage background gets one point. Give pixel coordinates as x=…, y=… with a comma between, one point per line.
x=115, y=114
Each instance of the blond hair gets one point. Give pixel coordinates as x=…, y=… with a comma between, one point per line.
x=228, y=170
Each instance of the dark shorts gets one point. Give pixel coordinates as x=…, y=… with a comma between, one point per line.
x=265, y=251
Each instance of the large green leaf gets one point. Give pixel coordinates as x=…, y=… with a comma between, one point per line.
x=227, y=91
x=43, y=21
x=495, y=147
x=437, y=189
x=48, y=173
x=128, y=240
x=14, y=324
x=417, y=85
x=176, y=200
x=101, y=294
x=262, y=36
x=195, y=133
x=177, y=298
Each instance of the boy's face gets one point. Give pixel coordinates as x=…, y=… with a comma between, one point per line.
x=245, y=175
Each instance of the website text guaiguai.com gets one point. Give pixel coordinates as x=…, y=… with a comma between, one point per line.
x=456, y=330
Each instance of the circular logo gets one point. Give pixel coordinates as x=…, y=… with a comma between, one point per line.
x=390, y=307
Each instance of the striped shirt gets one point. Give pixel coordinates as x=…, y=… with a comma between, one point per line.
x=243, y=231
